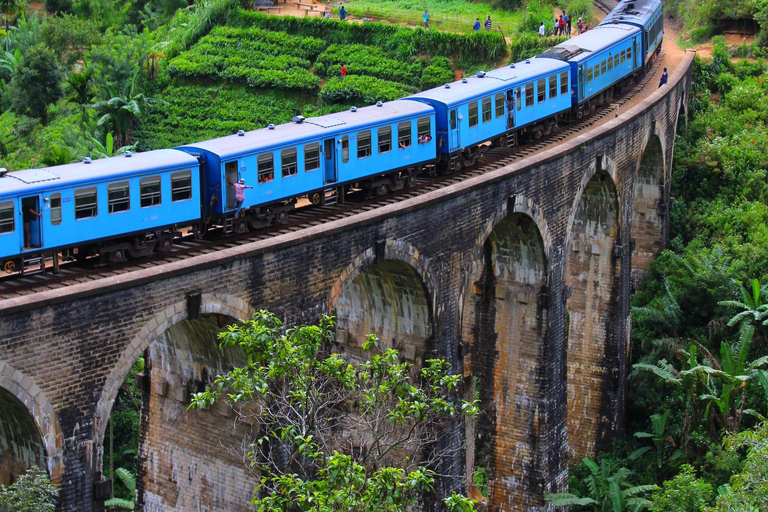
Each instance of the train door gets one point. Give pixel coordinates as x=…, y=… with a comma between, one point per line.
x=32, y=217
x=230, y=174
x=454, y=130
x=330, y=160
x=510, y=109
x=581, y=83
x=634, y=53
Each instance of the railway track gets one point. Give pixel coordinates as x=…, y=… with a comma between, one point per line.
x=605, y=5
x=305, y=217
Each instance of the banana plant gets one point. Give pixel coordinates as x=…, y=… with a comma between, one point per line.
x=129, y=480
x=106, y=150
x=660, y=439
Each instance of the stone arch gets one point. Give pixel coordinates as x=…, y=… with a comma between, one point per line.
x=591, y=277
x=227, y=305
x=504, y=320
x=33, y=423
x=648, y=223
x=682, y=114
x=386, y=294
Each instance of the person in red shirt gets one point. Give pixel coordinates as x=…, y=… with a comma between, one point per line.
x=561, y=26
x=343, y=71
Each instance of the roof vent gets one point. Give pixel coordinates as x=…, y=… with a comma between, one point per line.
x=463, y=80
x=379, y=104
x=630, y=6
x=241, y=133
x=86, y=160
x=3, y=171
x=512, y=65
x=298, y=119
x=447, y=86
x=615, y=21
x=480, y=74
x=527, y=61
x=353, y=109
x=270, y=126
x=128, y=154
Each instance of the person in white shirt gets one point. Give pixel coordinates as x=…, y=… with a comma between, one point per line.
x=542, y=29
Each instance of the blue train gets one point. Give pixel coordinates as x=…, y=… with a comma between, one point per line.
x=134, y=205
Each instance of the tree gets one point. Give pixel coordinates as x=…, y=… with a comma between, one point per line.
x=9, y=8
x=683, y=493
x=333, y=435
x=747, y=490
x=32, y=492
x=37, y=83
x=660, y=440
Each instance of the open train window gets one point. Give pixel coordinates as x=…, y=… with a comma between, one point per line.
x=473, y=114
x=602, y=68
x=553, y=86
x=311, y=157
x=364, y=144
x=86, y=205
x=423, y=130
x=541, y=90
x=7, y=219
x=385, y=140
x=345, y=149
x=529, y=95
x=151, y=194
x=404, y=134
x=118, y=197
x=564, y=82
x=289, y=162
x=55, y=208
x=266, y=168
x=500, y=105
x=589, y=74
x=181, y=186
x=518, y=102
x=487, y=116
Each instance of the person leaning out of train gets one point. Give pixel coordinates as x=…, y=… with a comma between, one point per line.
x=239, y=195
x=30, y=214
x=423, y=139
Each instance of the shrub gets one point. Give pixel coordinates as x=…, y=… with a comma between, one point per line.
x=366, y=89
x=437, y=73
x=366, y=60
x=526, y=46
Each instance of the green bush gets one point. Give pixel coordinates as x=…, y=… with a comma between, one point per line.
x=527, y=46
x=366, y=60
x=437, y=73
x=364, y=89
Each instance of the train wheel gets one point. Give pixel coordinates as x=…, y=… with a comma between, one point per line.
x=315, y=198
x=9, y=267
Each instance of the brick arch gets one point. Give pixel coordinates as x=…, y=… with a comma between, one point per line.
x=32, y=397
x=602, y=163
x=210, y=304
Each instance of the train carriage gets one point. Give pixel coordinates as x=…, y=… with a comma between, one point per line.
x=115, y=201
x=647, y=15
x=309, y=155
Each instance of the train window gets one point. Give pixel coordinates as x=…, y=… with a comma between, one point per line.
x=404, y=135
x=181, y=186
x=85, y=203
x=311, y=157
x=553, y=86
x=500, y=105
x=610, y=63
x=364, y=144
x=623, y=56
x=119, y=197
x=345, y=149
x=629, y=54
x=266, y=168
x=564, y=83
x=596, y=71
x=487, y=115
x=589, y=74
x=423, y=130
x=56, y=209
x=616, y=60
x=541, y=89
x=602, y=68
x=385, y=140
x=7, y=219
x=517, y=99
x=453, y=119
x=473, y=114
x=529, y=95
x=151, y=194
x=288, y=162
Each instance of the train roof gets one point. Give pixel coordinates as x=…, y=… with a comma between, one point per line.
x=232, y=146
x=636, y=12
x=476, y=86
x=580, y=47
x=60, y=176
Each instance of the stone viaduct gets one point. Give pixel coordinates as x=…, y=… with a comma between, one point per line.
x=521, y=278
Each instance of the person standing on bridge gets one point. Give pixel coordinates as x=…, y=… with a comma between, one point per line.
x=239, y=195
x=664, y=77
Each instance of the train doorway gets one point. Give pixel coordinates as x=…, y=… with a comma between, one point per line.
x=330, y=160
x=455, y=140
x=32, y=216
x=230, y=170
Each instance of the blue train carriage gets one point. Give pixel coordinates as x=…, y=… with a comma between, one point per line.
x=116, y=207
x=601, y=60
x=647, y=15
x=376, y=147
x=522, y=99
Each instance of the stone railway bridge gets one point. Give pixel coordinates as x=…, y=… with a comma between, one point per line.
x=521, y=278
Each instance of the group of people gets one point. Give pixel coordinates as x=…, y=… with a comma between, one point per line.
x=487, y=24
x=562, y=26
